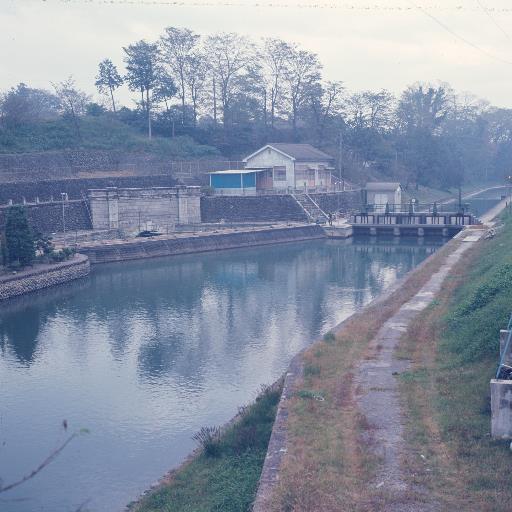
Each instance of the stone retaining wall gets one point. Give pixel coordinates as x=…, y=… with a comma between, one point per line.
x=47, y=217
x=43, y=276
x=338, y=201
x=166, y=246
x=76, y=188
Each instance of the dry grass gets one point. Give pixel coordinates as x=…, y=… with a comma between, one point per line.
x=328, y=466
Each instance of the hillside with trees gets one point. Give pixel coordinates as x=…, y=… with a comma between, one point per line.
x=224, y=95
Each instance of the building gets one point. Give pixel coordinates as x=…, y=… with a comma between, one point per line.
x=381, y=193
x=278, y=167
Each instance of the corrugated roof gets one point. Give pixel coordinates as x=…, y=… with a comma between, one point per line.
x=304, y=152
x=382, y=185
x=237, y=171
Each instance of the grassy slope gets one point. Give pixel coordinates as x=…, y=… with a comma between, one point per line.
x=455, y=351
x=100, y=133
x=228, y=481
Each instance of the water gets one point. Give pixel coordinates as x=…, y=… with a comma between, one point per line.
x=144, y=353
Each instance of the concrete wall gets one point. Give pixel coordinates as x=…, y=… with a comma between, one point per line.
x=43, y=277
x=134, y=209
x=147, y=248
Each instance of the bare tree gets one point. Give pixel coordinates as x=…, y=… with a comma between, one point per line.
x=178, y=49
x=275, y=55
x=73, y=101
x=142, y=69
x=231, y=59
x=108, y=79
x=196, y=73
x=302, y=74
x=326, y=103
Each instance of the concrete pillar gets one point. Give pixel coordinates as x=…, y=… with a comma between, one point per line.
x=421, y=232
x=503, y=342
x=396, y=231
x=445, y=232
x=373, y=231
x=501, y=409
x=9, y=202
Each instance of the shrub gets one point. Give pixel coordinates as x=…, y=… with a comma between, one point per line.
x=209, y=439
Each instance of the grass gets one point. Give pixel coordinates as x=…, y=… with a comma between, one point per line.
x=327, y=466
x=223, y=476
x=97, y=133
x=455, y=350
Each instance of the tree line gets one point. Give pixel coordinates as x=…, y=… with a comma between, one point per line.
x=227, y=91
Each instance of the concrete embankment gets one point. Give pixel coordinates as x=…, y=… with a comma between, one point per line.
x=43, y=276
x=187, y=243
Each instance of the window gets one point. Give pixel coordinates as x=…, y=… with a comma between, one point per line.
x=280, y=173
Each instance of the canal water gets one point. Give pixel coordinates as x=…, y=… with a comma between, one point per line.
x=144, y=353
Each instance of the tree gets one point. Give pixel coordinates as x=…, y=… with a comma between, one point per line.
x=178, y=46
x=275, y=55
x=164, y=91
x=326, y=105
x=142, y=71
x=73, y=101
x=108, y=79
x=19, y=241
x=231, y=59
x=23, y=104
x=196, y=72
x=301, y=75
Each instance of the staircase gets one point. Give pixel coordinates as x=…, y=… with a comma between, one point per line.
x=311, y=208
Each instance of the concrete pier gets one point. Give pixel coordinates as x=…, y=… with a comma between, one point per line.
x=501, y=409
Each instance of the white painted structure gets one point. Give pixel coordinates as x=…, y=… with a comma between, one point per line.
x=140, y=209
x=291, y=167
x=381, y=193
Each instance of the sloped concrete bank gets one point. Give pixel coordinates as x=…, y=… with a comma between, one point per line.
x=43, y=276
x=204, y=242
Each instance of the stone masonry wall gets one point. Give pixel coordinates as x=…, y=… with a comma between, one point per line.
x=343, y=202
x=47, y=218
x=43, y=277
x=251, y=209
x=76, y=188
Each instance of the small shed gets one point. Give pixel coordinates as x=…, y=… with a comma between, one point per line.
x=236, y=182
x=380, y=193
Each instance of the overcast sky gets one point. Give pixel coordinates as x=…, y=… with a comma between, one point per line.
x=368, y=44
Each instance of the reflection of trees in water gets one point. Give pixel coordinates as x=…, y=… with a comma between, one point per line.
x=184, y=314
x=20, y=331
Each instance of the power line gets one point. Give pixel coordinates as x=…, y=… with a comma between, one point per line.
x=458, y=36
x=488, y=12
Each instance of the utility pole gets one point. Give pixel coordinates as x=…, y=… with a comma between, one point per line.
x=63, y=196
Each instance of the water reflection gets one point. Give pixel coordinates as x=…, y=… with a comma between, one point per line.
x=144, y=353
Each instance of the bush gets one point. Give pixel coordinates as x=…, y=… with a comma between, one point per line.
x=209, y=440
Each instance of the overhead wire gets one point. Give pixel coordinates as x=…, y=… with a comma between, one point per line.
x=458, y=36
x=491, y=17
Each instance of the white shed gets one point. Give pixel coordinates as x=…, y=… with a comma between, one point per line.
x=380, y=193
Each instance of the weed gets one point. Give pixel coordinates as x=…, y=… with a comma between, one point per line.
x=209, y=440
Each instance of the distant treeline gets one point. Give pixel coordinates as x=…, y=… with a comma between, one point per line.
x=199, y=95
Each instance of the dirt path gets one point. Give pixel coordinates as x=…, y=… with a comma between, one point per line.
x=376, y=391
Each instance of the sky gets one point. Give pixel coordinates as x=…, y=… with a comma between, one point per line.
x=367, y=44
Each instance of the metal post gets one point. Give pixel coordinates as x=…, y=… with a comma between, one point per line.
x=63, y=196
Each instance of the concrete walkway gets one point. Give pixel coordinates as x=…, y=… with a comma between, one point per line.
x=376, y=386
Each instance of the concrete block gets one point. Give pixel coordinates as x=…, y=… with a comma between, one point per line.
x=501, y=409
